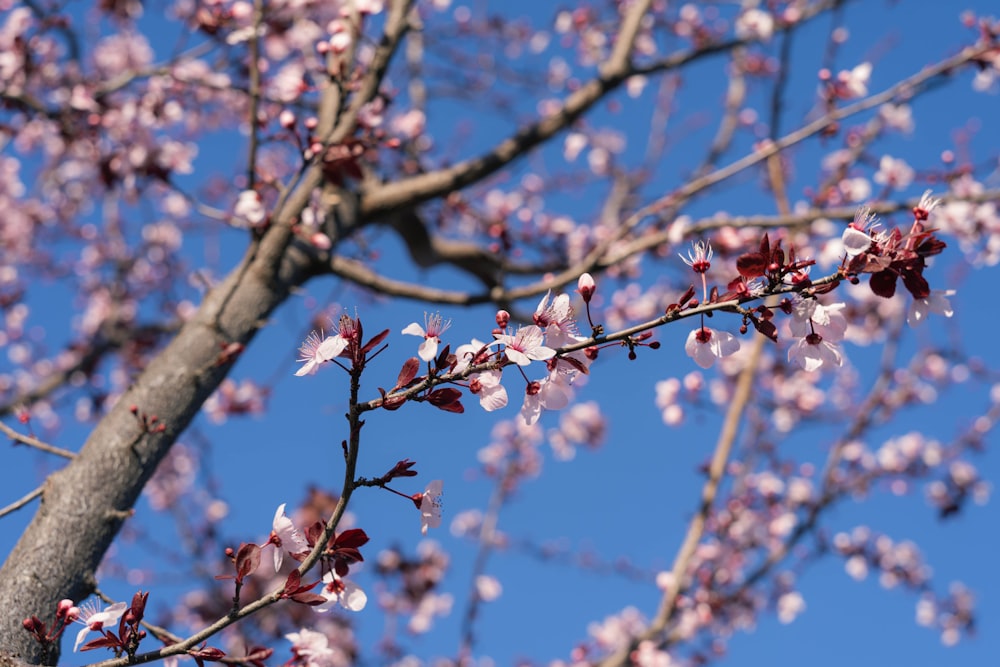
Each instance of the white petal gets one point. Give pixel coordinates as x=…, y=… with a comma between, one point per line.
x=353, y=598
x=414, y=329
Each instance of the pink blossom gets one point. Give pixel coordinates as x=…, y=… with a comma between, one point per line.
x=285, y=537
x=316, y=350
x=488, y=588
x=856, y=238
x=471, y=353
x=526, y=345
x=313, y=648
x=705, y=345
x=430, y=506
x=410, y=125
x=340, y=591
x=854, y=83
x=810, y=316
x=699, y=258
x=813, y=352
x=249, y=210
x=755, y=24
x=937, y=302
x=894, y=173
x=433, y=327
x=554, y=392
x=486, y=385
x=93, y=619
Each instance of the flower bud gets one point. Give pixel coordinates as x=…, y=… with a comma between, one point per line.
x=586, y=287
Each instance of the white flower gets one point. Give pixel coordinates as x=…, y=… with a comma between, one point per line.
x=855, y=82
x=894, y=172
x=486, y=385
x=92, y=619
x=313, y=647
x=526, y=345
x=705, y=345
x=433, y=327
x=937, y=302
x=316, y=350
x=340, y=591
x=285, y=537
x=810, y=316
x=755, y=24
x=488, y=588
x=430, y=506
x=249, y=210
x=812, y=353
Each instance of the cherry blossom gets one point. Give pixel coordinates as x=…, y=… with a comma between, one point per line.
x=856, y=238
x=316, y=350
x=937, y=302
x=486, y=385
x=431, y=332
x=854, y=83
x=488, y=588
x=810, y=316
x=249, y=211
x=813, y=352
x=340, y=591
x=313, y=648
x=527, y=344
x=430, y=506
x=94, y=619
x=285, y=537
x=894, y=173
x=755, y=24
x=705, y=345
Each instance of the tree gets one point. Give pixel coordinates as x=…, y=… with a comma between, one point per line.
x=287, y=146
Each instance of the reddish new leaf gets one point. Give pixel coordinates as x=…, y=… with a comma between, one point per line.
x=353, y=538
x=247, y=560
x=409, y=371
x=209, y=653
x=751, y=265
x=883, y=283
x=373, y=343
x=444, y=397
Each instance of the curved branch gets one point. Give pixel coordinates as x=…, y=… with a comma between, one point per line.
x=388, y=197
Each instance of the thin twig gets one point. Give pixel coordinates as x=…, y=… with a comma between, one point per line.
x=35, y=442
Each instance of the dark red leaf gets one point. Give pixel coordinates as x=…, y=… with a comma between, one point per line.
x=931, y=246
x=915, y=282
x=767, y=328
x=257, y=655
x=247, y=560
x=209, y=653
x=355, y=537
x=138, y=607
x=765, y=246
x=101, y=642
x=409, y=371
x=751, y=265
x=443, y=397
x=314, y=532
x=373, y=343
x=442, y=358
x=455, y=406
x=293, y=582
x=687, y=295
x=311, y=599
x=883, y=283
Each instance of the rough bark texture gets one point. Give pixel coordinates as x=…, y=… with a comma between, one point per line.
x=85, y=504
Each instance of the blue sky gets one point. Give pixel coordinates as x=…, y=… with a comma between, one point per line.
x=630, y=499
